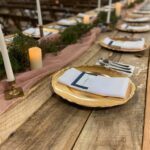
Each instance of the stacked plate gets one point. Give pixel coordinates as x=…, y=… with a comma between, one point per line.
x=133, y=27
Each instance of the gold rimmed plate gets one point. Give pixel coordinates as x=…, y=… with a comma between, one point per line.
x=119, y=27
x=117, y=48
x=88, y=99
x=136, y=19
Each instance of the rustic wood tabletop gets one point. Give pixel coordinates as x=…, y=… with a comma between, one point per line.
x=60, y=125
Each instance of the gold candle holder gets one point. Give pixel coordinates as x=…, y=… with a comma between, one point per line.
x=13, y=91
x=41, y=31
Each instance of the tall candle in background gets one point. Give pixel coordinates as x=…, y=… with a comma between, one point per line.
x=35, y=56
x=99, y=4
x=4, y=52
x=118, y=7
x=109, y=12
x=40, y=21
x=86, y=19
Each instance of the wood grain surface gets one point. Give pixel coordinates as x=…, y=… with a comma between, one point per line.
x=60, y=125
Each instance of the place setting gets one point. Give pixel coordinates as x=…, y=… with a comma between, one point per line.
x=124, y=44
x=136, y=19
x=69, y=22
x=93, y=86
x=35, y=32
x=133, y=27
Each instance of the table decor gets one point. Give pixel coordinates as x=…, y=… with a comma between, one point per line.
x=117, y=66
x=36, y=33
x=141, y=12
x=12, y=90
x=88, y=99
x=118, y=7
x=124, y=44
x=35, y=57
x=67, y=22
x=136, y=19
x=135, y=28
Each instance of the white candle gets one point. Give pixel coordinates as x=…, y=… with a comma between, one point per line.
x=118, y=7
x=40, y=21
x=109, y=12
x=86, y=19
x=35, y=56
x=4, y=52
x=129, y=2
x=99, y=4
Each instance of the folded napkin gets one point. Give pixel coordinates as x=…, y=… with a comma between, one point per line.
x=58, y=27
x=67, y=22
x=138, y=19
x=83, y=15
x=125, y=44
x=96, y=84
x=36, y=32
x=130, y=27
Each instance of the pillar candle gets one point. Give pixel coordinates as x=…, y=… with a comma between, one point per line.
x=118, y=7
x=35, y=56
x=109, y=12
x=4, y=52
x=86, y=19
x=40, y=21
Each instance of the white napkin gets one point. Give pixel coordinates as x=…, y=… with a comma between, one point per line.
x=130, y=27
x=138, y=19
x=67, y=22
x=35, y=32
x=106, y=86
x=58, y=27
x=83, y=14
x=125, y=44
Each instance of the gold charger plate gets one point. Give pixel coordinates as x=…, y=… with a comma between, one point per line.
x=127, y=19
x=117, y=48
x=131, y=30
x=88, y=99
x=141, y=12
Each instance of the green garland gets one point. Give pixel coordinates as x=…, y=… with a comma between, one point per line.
x=18, y=50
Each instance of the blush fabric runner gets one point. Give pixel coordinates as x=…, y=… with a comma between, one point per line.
x=51, y=63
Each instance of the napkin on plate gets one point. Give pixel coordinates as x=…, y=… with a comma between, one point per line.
x=35, y=32
x=67, y=22
x=138, y=19
x=83, y=14
x=130, y=27
x=96, y=84
x=125, y=44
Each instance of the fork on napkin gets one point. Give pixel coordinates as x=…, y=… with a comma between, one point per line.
x=96, y=84
x=120, y=67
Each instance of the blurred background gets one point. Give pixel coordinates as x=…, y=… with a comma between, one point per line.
x=21, y=14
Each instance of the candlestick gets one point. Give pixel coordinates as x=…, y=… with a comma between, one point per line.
x=109, y=12
x=4, y=52
x=118, y=7
x=40, y=21
x=99, y=4
x=35, y=56
x=86, y=19
x=41, y=30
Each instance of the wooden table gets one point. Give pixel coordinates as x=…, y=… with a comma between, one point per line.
x=60, y=125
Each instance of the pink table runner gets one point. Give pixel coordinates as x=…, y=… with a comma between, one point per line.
x=52, y=63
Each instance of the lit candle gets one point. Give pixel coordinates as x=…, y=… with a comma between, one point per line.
x=109, y=12
x=99, y=4
x=40, y=21
x=86, y=19
x=118, y=7
x=4, y=52
x=35, y=56
x=129, y=2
